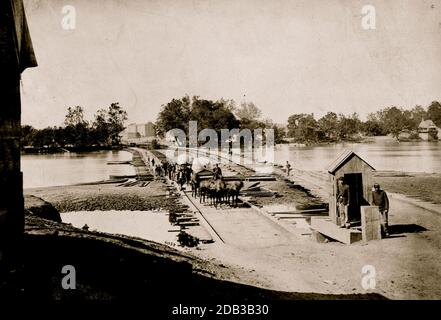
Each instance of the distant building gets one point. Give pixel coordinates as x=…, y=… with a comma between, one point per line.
x=131, y=132
x=146, y=129
x=427, y=130
x=139, y=131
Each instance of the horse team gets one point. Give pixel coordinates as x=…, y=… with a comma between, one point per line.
x=215, y=190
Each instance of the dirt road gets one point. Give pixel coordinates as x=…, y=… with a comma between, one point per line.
x=407, y=265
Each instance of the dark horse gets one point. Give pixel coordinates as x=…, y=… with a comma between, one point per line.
x=213, y=190
x=232, y=192
x=205, y=189
x=195, y=184
x=218, y=190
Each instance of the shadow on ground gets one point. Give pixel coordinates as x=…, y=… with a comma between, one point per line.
x=119, y=268
x=397, y=229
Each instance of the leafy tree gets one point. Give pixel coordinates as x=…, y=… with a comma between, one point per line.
x=177, y=113
x=279, y=133
x=328, y=125
x=77, y=132
x=418, y=114
x=27, y=135
x=174, y=115
x=74, y=116
x=216, y=115
x=348, y=126
x=44, y=138
x=248, y=111
x=303, y=128
x=116, y=119
x=76, y=128
x=434, y=113
x=59, y=137
x=373, y=128
x=101, y=128
x=395, y=120
x=249, y=116
x=293, y=124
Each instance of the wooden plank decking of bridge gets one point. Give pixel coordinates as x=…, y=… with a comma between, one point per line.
x=242, y=227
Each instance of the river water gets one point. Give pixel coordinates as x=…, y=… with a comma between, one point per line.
x=70, y=168
x=149, y=225
x=44, y=170
x=382, y=154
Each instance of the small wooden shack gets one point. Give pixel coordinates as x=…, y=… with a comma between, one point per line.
x=364, y=219
x=357, y=174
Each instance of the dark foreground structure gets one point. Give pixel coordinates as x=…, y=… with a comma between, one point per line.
x=16, y=54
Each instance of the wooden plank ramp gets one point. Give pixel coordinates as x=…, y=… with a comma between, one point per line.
x=327, y=228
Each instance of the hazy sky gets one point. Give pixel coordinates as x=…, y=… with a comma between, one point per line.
x=286, y=56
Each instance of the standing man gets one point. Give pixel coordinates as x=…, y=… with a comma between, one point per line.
x=217, y=172
x=379, y=198
x=165, y=168
x=343, y=202
x=288, y=169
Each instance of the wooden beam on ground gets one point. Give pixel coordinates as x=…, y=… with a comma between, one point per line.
x=331, y=230
x=308, y=211
x=290, y=216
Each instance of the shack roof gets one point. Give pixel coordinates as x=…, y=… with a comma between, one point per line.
x=342, y=159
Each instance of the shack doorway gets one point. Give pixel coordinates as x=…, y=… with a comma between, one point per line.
x=356, y=198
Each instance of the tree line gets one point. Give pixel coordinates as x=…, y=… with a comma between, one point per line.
x=105, y=129
x=217, y=115
x=301, y=128
x=334, y=127
x=78, y=133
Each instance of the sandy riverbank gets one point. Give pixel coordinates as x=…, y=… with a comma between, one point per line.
x=104, y=197
x=424, y=186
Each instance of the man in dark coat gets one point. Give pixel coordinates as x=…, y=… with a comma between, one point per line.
x=379, y=198
x=217, y=171
x=288, y=169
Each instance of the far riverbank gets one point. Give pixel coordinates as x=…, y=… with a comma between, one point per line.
x=51, y=150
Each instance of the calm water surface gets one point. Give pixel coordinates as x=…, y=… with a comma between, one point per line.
x=148, y=225
x=44, y=170
x=383, y=154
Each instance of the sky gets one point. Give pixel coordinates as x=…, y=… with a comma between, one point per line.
x=286, y=57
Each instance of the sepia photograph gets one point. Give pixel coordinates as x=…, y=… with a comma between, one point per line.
x=212, y=158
